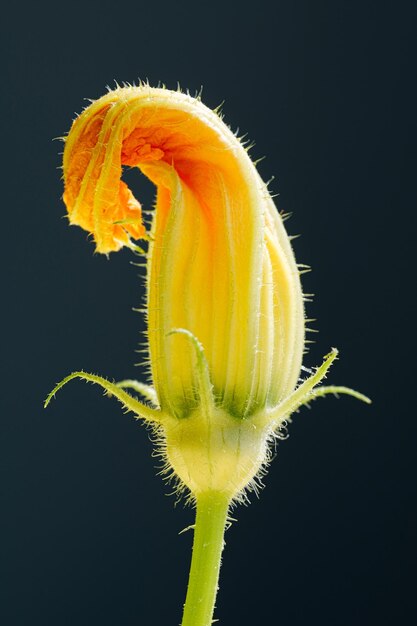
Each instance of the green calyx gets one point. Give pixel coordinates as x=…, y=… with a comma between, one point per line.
x=210, y=449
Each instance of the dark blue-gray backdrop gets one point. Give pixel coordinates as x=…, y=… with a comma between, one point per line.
x=89, y=534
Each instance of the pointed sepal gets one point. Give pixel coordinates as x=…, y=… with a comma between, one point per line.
x=307, y=391
x=129, y=403
x=205, y=387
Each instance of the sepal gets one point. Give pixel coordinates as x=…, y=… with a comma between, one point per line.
x=307, y=391
x=130, y=403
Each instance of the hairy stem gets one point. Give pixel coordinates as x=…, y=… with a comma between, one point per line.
x=211, y=518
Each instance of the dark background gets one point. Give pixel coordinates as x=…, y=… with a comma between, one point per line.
x=326, y=89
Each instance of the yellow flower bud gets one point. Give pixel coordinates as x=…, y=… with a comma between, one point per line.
x=220, y=262
x=224, y=301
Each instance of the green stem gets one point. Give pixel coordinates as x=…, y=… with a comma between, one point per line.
x=211, y=518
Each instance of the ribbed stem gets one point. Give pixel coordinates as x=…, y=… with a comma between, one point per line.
x=211, y=517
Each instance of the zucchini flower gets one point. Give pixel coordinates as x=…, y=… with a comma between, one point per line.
x=224, y=305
